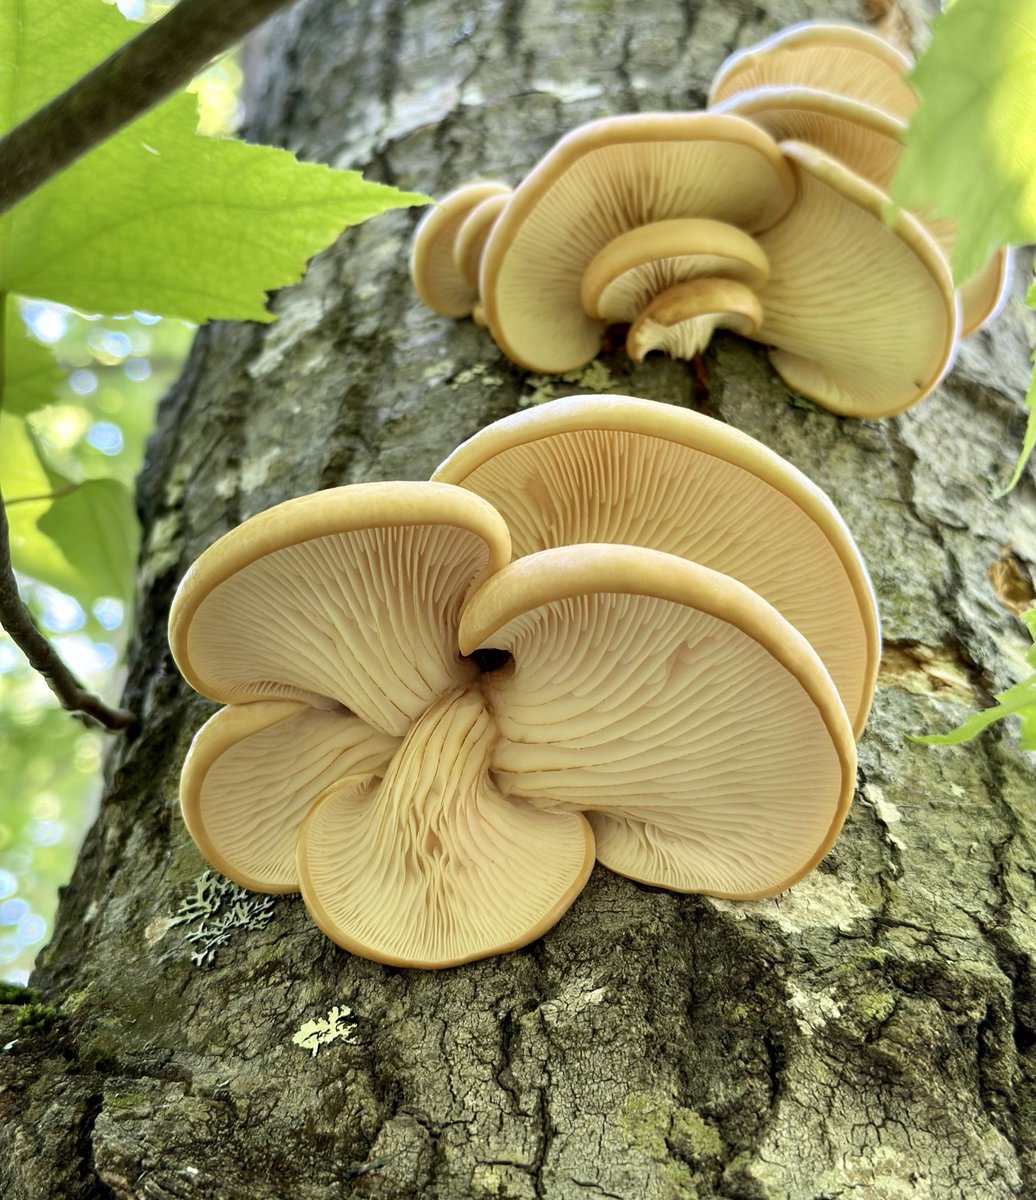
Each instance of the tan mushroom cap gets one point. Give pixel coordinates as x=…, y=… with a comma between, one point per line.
x=682, y=320
x=868, y=140
x=434, y=866
x=471, y=237
x=254, y=771
x=980, y=295
x=859, y=312
x=346, y=599
x=622, y=470
x=437, y=278
x=638, y=265
x=697, y=729
x=835, y=58
x=598, y=183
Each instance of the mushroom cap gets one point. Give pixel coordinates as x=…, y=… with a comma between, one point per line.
x=254, y=771
x=836, y=58
x=623, y=278
x=982, y=295
x=471, y=237
x=346, y=599
x=868, y=140
x=436, y=276
x=621, y=470
x=859, y=312
x=682, y=319
x=695, y=726
x=596, y=184
x=434, y=866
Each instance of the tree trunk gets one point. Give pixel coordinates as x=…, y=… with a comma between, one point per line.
x=870, y=1033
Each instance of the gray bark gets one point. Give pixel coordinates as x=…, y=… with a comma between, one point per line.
x=872, y=1033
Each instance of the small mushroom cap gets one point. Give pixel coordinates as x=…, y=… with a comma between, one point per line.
x=471, y=236
x=436, y=276
x=598, y=182
x=982, y=295
x=859, y=312
x=434, y=866
x=868, y=140
x=682, y=320
x=253, y=772
x=619, y=469
x=348, y=598
x=640, y=264
x=694, y=725
x=836, y=58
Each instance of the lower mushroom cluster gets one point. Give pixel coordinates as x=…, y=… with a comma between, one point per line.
x=606, y=628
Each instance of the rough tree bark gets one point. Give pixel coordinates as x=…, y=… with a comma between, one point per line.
x=872, y=1033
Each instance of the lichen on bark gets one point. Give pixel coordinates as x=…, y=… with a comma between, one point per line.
x=872, y=1032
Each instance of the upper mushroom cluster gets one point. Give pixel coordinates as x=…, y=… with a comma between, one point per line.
x=606, y=628
x=767, y=215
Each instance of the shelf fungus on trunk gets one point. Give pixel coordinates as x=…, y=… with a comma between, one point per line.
x=432, y=743
x=679, y=224
x=622, y=470
x=846, y=92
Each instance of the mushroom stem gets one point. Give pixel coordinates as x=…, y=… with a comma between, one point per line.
x=682, y=320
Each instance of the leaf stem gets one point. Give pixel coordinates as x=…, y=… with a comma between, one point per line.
x=56, y=495
x=42, y=656
x=145, y=70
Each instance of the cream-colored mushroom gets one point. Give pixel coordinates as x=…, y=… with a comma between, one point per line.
x=616, y=469
x=859, y=311
x=835, y=58
x=589, y=223
x=438, y=278
x=695, y=727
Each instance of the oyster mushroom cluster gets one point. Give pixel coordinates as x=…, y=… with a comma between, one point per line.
x=606, y=629
x=767, y=215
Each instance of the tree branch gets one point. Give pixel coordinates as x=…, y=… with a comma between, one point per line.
x=42, y=656
x=145, y=70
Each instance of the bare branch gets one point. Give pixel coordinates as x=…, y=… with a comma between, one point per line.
x=42, y=656
x=162, y=58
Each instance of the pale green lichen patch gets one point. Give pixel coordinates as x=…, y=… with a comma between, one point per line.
x=593, y=378
x=338, y=1026
x=678, y=1138
x=478, y=373
x=215, y=910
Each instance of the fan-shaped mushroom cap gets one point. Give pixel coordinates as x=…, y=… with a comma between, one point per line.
x=599, y=182
x=622, y=470
x=348, y=598
x=863, y=137
x=695, y=726
x=435, y=866
x=254, y=771
x=471, y=237
x=859, y=312
x=436, y=276
x=981, y=295
x=682, y=320
x=836, y=58
x=641, y=264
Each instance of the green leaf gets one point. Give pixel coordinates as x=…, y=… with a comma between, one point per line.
x=971, y=145
x=1030, y=296
x=159, y=217
x=22, y=472
x=1019, y=700
x=95, y=528
x=32, y=376
x=1029, y=440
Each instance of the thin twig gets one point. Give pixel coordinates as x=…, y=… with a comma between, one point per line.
x=42, y=656
x=136, y=77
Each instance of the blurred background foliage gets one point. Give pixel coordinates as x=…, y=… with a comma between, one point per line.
x=112, y=371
